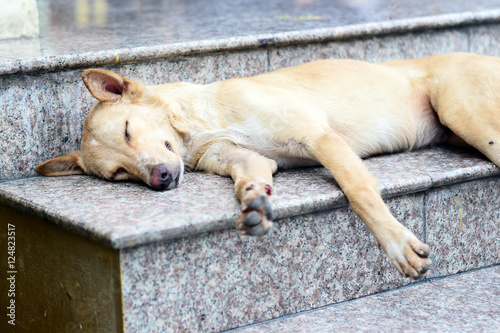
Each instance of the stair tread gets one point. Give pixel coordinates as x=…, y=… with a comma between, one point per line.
x=108, y=33
x=129, y=214
x=461, y=303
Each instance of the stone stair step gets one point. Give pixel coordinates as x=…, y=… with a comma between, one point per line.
x=118, y=256
x=105, y=33
x=181, y=265
x=466, y=302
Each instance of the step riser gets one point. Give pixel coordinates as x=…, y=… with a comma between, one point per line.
x=436, y=306
x=462, y=226
x=42, y=114
x=220, y=280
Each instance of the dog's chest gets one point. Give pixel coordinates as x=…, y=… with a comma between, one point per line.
x=274, y=144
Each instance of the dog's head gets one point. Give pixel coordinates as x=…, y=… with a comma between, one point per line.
x=126, y=136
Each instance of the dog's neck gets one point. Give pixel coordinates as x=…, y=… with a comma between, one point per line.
x=194, y=112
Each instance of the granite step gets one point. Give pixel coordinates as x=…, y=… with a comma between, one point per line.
x=466, y=302
x=94, y=251
x=99, y=256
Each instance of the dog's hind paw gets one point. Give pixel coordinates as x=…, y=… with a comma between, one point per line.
x=255, y=218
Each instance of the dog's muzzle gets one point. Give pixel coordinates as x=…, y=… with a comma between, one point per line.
x=163, y=178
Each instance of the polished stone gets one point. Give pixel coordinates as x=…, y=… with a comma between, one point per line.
x=484, y=39
x=462, y=226
x=182, y=259
x=127, y=214
x=220, y=280
x=85, y=33
x=461, y=303
x=183, y=264
x=373, y=48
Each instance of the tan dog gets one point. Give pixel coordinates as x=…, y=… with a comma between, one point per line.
x=332, y=112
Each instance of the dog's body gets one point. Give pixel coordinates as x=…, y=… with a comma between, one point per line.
x=329, y=112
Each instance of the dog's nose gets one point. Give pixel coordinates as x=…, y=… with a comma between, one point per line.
x=161, y=177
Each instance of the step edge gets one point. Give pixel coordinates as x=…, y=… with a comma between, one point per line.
x=225, y=221
x=416, y=284
x=179, y=49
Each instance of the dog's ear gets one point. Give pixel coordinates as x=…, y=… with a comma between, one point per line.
x=107, y=86
x=66, y=165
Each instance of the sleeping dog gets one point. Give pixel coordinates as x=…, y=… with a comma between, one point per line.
x=328, y=112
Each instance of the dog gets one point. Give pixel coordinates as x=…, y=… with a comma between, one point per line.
x=328, y=112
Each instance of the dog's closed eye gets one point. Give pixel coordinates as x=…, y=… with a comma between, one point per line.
x=169, y=147
x=127, y=134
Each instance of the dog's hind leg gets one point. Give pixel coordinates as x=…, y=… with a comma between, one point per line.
x=482, y=133
x=253, y=179
x=477, y=123
x=406, y=252
x=464, y=91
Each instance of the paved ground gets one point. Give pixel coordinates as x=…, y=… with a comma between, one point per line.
x=467, y=302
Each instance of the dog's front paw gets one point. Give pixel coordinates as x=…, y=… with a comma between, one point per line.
x=255, y=217
x=409, y=255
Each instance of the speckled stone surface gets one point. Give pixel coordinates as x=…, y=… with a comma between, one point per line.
x=373, y=48
x=463, y=226
x=105, y=31
x=464, y=303
x=439, y=163
x=95, y=208
x=220, y=280
x=485, y=39
x=184, y=267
